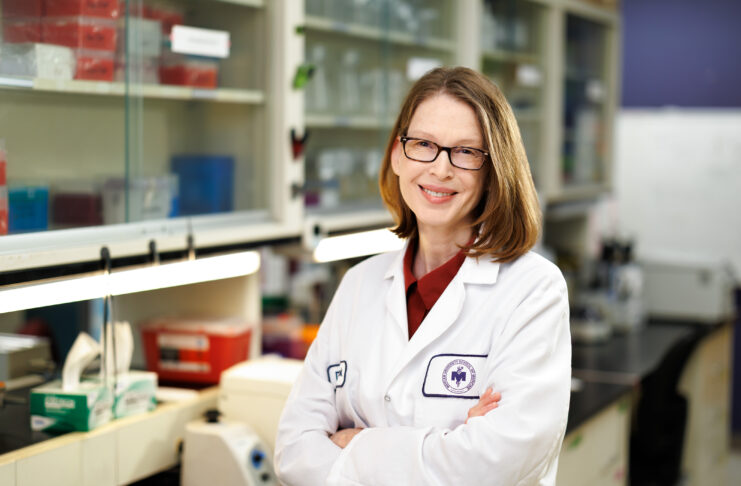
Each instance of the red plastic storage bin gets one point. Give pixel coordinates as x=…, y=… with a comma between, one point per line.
x=95, y=65
x=91, y=8
x=17, y=30
x=80, y=32
x=196, y=73
x=195, y=351
x=22, y=8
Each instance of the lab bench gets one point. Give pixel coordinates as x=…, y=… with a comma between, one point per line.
x=618, y=384
x=606, y=392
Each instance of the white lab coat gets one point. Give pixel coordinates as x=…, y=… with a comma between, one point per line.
x=507, y=324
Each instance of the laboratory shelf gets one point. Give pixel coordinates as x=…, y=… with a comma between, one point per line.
x=356, y=219
x=321, y=24
x=518, y=57
x=342, y=121
x=151, y=91
x=246, y=3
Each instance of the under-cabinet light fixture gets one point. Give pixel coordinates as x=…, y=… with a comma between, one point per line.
x=356, y=245
x=129, y=281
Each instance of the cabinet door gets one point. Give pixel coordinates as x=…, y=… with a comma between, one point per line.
x=589, y=80
x=120, y=115
x=365, y=57
x=513, y=43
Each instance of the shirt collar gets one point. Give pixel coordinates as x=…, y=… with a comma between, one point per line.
x=480, y=270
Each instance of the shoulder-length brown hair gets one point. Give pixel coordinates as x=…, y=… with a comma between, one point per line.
x=507, y=219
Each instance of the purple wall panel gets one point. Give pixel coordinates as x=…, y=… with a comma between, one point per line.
x=681, y=53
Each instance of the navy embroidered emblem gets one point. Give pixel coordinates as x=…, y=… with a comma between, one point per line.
x=459, y=376
x=337, y=373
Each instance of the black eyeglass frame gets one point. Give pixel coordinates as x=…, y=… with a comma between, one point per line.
x=440, y=148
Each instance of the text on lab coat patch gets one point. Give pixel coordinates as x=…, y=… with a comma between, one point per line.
x=454, y=375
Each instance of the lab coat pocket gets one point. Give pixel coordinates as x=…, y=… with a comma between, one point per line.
x=445, y=413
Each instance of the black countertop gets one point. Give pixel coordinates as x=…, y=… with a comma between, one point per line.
x=609, y=370
x=15, y=420
x=590, y=398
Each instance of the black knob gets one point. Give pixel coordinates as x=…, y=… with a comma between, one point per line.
x=212, y=416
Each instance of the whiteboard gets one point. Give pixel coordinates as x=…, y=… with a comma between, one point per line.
x=678, y=181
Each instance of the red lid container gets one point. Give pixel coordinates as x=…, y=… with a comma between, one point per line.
x=22, y=8
x=22, y=30
x=199, y=74
x=108, y=9
x=95, y=65
x=80, y=32
x=195, y=351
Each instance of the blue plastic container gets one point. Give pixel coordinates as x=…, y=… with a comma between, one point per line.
x=28, y=209
x=205, y=184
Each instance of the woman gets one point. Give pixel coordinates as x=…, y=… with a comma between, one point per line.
x=413, y=339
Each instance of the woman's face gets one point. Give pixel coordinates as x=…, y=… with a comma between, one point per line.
x=440, y=195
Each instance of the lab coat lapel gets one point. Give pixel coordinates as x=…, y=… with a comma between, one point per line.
x=396, y=303
x=445, y=311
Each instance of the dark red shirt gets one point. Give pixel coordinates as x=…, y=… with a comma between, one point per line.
x=423, y=293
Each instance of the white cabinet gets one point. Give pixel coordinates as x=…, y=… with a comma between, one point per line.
x=58, y=463
x=117, y=453
x=596, y=453
x=169, y=143
x=7, y=472
x=706, y=383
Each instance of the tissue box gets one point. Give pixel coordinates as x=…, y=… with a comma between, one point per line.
x=135, y=393
x=83, y=409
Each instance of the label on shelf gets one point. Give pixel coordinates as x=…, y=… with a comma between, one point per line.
x=200, y=42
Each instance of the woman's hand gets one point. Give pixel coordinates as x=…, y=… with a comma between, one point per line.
x=488, y=401
x=343, y=437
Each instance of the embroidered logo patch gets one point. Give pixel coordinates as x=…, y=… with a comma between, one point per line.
x=459, y=376
x=454, y=376
x=337, y=373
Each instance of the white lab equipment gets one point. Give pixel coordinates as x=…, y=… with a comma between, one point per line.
x=225, y=453
x=689, y=287
x=255, y=391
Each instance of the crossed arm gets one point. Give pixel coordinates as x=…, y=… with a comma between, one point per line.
x=487, y=402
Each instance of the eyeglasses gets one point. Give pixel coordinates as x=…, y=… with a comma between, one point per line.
x=423, y=150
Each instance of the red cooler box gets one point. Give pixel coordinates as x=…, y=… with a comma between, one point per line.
x=195, y=350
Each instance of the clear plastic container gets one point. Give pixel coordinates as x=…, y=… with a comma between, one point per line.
x=28, y=208
x=38, y=61
x=148, y=198
x=141, y=71
x=80, y=32
x=76, y=203
x=109, y=9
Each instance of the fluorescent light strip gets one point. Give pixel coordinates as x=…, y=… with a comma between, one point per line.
x=129, y=281
x=356, y=245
